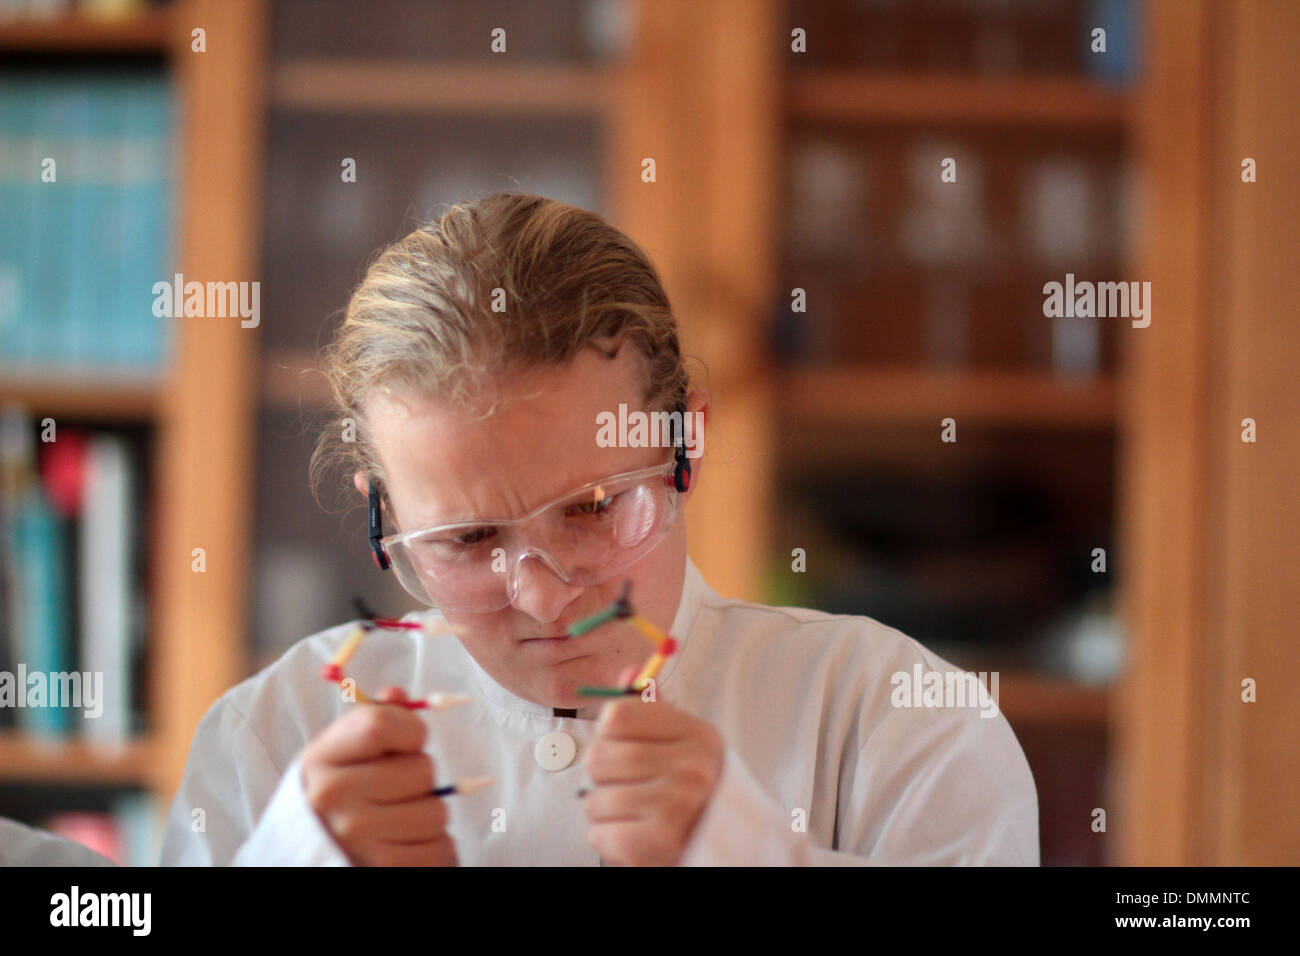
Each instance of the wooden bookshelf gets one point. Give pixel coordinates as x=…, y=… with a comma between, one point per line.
x=199, y=406
x=1210, y=521
x=818, y=401
x=715, y=228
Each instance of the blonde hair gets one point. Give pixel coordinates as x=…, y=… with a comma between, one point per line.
x=422, y=319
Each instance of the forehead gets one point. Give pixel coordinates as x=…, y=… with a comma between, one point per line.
x=445, y=464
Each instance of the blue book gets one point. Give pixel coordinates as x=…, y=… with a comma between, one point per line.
x=93, y=243
x=144, y=221
x=19, y=192
x=13, y=216
x=75, y=248
x=139, y=822
x=110, y=324
x=36, y=99
x=42, y=639
x=54, y=233
x=105, y=191
x=84, y=252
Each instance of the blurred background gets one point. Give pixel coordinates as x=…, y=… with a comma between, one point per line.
x=1101, y=532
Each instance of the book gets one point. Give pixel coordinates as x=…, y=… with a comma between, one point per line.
x=42, y=601
x=139, y=822
x=86, y=169
x=72, y=588
x=13, y=441
x=105, y=603
x=139, y=224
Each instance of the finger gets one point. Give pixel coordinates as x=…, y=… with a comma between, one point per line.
x=371, y=732
x=393, y=695
x=625, y=761
x=437, y=852
x=648, y=842
x=630, y=801
x=636, y=719
x=390, y=779
x=412, y=821
x=626, y=676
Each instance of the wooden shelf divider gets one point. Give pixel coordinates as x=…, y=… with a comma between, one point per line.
x=540, y=89
x=149, y=31
x=848, y=396
x=31, y=760
x=125, y=401
x=1027, y=698
x=855, y=96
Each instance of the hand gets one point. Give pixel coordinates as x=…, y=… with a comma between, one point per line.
x=368, y=780
x=654, y=770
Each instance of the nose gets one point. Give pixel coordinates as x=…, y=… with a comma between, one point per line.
x=539, y=589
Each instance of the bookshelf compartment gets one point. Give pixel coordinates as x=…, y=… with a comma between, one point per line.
x=88, y=187
x=76, y=583
x=319, y=227
x=967, y=37
x=900, y=268
x=981, y=550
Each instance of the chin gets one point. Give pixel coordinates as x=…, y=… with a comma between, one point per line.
x=559, y=686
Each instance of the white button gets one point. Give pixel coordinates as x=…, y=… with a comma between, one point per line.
x=555, y=751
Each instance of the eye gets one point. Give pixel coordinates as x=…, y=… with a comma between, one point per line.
x=587, y=508
x=473, y=537
x=454, y=543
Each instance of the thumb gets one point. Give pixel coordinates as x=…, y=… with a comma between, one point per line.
x=393, y=695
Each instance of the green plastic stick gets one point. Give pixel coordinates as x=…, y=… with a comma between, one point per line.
x=606, y=691
x=593, y=622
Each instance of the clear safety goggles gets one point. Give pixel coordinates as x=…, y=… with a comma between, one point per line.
x=584, y=538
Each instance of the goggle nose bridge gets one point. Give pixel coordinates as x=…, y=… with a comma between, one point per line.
x=541, y=554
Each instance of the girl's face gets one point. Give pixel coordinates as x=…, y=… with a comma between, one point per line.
x=443, y=465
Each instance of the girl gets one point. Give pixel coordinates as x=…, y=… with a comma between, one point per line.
x=477, y=362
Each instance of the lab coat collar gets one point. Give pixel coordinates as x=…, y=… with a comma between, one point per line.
x=694, y=589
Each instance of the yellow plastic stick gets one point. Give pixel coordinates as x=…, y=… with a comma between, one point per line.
x=656, y=636
x=349, y=647
x=649, y=671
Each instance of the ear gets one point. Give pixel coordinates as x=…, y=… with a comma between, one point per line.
x=363, y=484
x=699, y=406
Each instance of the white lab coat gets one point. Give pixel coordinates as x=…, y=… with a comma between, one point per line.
x=801, y=698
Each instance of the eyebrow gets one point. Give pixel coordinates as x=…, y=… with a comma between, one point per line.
x=496, y=519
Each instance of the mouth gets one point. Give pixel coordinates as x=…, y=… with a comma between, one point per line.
x=553, y=650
